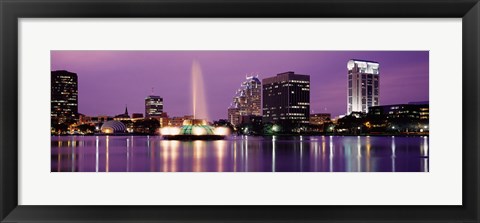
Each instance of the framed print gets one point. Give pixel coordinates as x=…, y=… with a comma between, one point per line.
x=239, y=111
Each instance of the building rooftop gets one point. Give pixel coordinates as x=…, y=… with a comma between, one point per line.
x=367, y=61
x=153, y=96
x=285, y=76
x=63, y=72
x=364, y=66
x=419, y=102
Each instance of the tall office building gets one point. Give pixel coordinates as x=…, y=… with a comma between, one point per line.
x=247, y=100
x=153, y=106
x=64, y=96
x=286, y=100
x=363, y=85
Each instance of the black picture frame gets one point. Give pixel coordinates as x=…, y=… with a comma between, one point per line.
x=12, y=10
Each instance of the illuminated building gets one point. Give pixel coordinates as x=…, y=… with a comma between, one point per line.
x=397, y=111
x=153, y=106
x=178, y=121
x=101, y=118
x=321, y=122
x=363, y=85
x=234, y=115
x=424, y=108
x=424, y=112
x=64, y=96
x=83, y=119
x=286, y=100
x=403, y=117
x=247, y=100
x=111, y=127
x=319, y=118
x=163, y=119
x=123, y=117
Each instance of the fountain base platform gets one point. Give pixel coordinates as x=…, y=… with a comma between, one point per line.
x=192, y=129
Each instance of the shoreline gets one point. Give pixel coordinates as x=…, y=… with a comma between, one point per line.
x=279, y=135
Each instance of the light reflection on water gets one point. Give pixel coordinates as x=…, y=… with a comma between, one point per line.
x=240, y=154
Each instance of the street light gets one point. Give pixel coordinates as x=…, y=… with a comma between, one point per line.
x=275, y=128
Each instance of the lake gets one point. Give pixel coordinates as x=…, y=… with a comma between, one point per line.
x=240, y=154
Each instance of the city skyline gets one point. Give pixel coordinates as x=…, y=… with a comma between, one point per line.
x=109, y=80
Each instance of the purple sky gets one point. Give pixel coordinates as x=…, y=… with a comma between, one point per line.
x=109, y=80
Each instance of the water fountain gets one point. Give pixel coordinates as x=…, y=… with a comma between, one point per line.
x=196, y=128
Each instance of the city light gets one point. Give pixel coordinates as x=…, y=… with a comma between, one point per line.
x=199, y=131
x=169, y=130
x=221, y=131
x=275, y=128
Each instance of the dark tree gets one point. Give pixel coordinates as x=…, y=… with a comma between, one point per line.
x=86, y=128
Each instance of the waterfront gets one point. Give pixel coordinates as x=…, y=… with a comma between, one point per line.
x=240, y=154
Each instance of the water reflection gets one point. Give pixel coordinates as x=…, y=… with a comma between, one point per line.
x=240, y=154
x=393, y=153
x=96, y=153
x=273, y=152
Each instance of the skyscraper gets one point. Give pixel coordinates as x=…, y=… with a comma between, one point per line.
x=363, y=85
x=64, y=96
x=286, y=100
x=247, y=100
x=153, y=106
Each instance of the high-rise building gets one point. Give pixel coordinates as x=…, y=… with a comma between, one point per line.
x=286, y=100
x=64, y=96
x=153, y=106
x=247, y=100
x=363, y=85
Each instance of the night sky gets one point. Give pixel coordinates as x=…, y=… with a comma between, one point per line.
x=109, y=80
